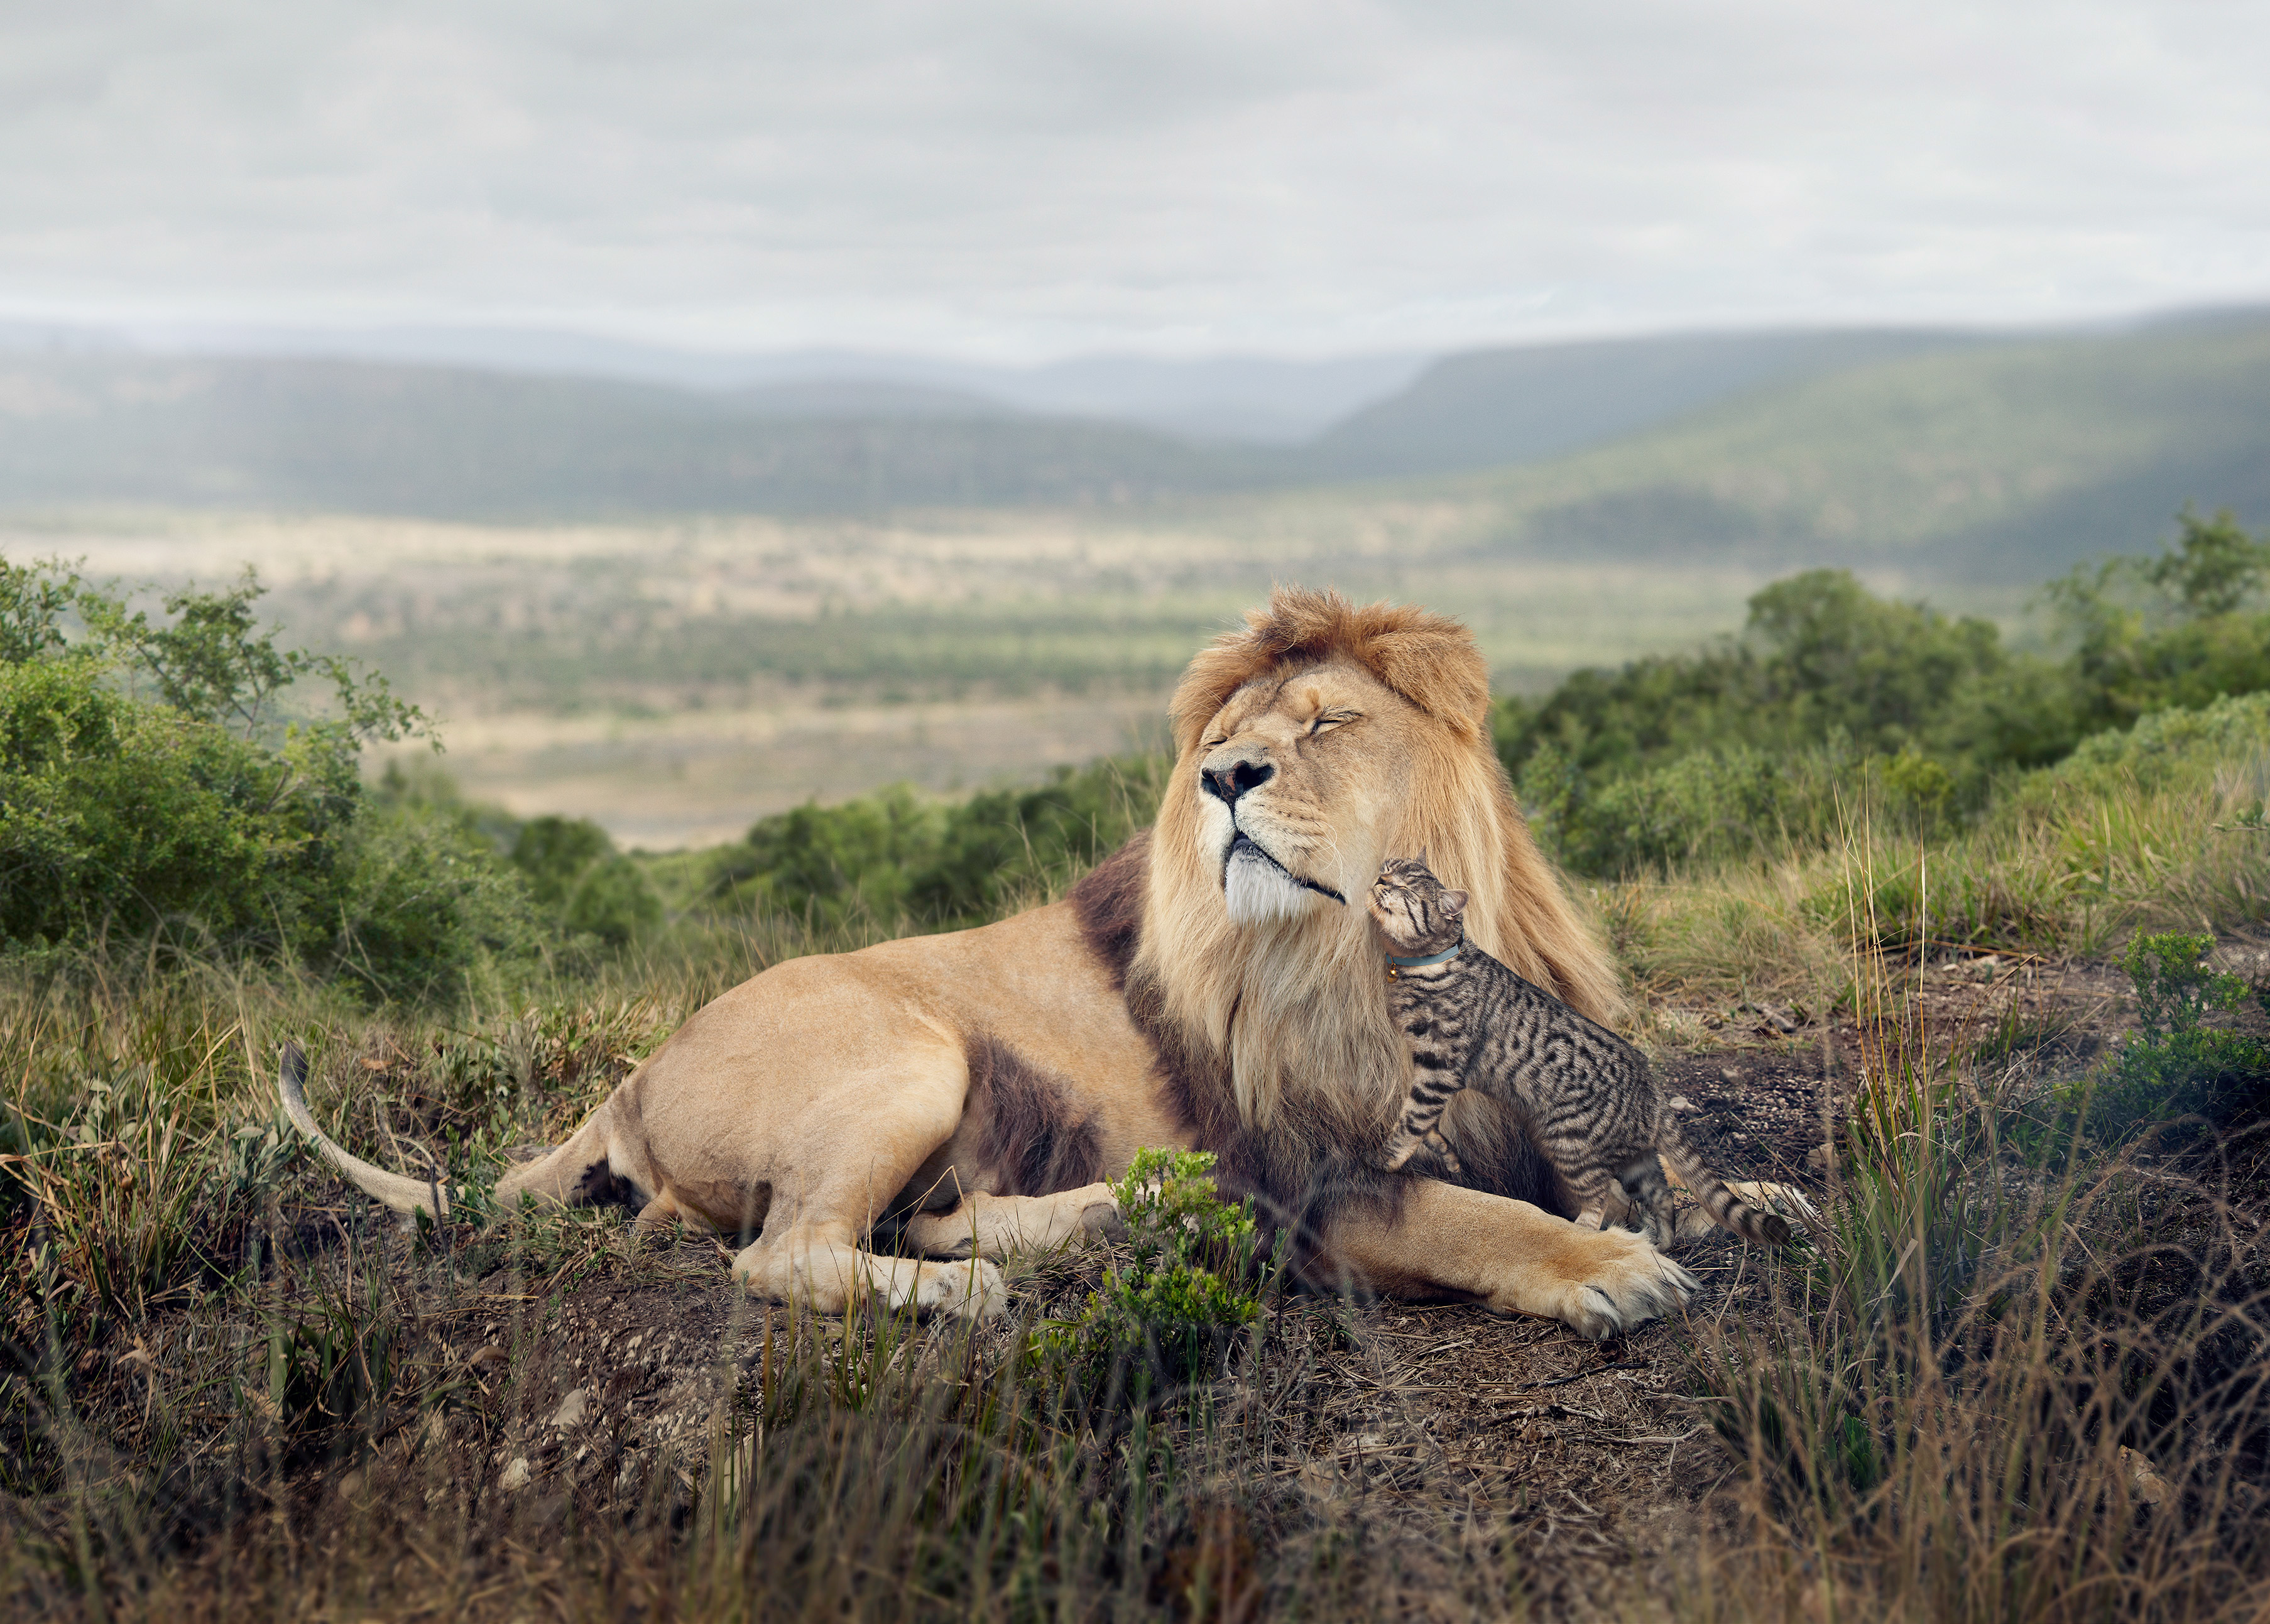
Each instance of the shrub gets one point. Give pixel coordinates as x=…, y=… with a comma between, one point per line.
x=1836, y=697
x=423, y=904
x=1168, y=1316
x=831, y=862
x=153, y=786
x=2175, y=1063
x=576, y=874
x=891, y=857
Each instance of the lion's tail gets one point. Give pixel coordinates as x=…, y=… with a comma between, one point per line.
x=397, y=1190
x=1727, y=1209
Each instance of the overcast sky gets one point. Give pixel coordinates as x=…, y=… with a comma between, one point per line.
x=1016, y=181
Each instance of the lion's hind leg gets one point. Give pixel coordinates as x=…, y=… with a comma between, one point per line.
x=811, y=1251
x=989, y=1226
x=821, y=1267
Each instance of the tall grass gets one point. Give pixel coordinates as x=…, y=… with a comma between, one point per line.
x=2005, y=1385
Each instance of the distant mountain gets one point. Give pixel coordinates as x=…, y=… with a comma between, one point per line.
x=2006, y=457
x=1257, y=399
x=838, y=398
x=1491, y=407
x=356, y=437
x=2007, y=462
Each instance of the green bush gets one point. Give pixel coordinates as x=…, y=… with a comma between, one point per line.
x=1836, y=700
x=2175, y=1063
x=994, y=846
x=2170, y=631
x=1710, y=806
x=1168, y=1317
x=576, y=874
x=154, y=787
x=891, y=856
x=832, y=862
x=122, y=817
x=423, y=905
x=1822, y=660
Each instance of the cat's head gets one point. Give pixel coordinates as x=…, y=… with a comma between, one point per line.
x=1413, y=910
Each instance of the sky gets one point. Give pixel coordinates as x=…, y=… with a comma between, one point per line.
x=1015, y=183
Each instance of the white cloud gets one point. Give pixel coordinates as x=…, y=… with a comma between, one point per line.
x=1015, y=179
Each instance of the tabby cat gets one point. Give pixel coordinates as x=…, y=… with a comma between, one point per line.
x=1584, y=1093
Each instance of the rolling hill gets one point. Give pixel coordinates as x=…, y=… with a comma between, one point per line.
x=2006, y=462
x=361, y=437
x=1992, y=458
x=1491, y=407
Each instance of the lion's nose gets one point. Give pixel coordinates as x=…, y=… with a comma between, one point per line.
x=1229, y=783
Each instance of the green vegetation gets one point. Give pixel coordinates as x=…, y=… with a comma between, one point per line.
x=1992, y=1390
x=155, y=795
x=2178, y=1063
x=1836, y=698
x=891, y=857
x=1169, y=1318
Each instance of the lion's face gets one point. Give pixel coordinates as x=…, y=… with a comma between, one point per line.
x=1298, y=782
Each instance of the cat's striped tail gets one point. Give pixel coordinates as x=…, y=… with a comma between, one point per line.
x=1726, y=1209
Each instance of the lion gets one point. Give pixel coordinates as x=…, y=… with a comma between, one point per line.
x=894, y=1121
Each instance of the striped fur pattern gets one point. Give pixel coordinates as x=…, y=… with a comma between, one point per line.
x=1584, y=1094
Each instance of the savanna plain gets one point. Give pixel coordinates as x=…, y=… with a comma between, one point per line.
x=1955, y=923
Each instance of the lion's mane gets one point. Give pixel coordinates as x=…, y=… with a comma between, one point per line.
x=1276, y=1046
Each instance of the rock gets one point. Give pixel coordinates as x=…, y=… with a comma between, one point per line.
x=487, y=1359
x=1684, y=1106
x=516, y=1476
x=1821, y=1156
x=571, y=1410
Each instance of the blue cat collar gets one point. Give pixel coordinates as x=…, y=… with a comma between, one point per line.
x=1443, y=957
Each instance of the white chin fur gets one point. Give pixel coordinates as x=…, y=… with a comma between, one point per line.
x=1260, y=893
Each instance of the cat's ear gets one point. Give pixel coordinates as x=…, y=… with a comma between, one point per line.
x=1454, y=903
x=1422, y=858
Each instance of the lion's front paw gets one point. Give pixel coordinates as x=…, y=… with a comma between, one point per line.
x=1608, y=1282
x=1101, y=1219
x=972, y=1290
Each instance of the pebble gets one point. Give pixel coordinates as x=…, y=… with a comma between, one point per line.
x=516, y=1476
x=571, y=1410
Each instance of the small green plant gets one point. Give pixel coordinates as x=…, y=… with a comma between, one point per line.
x=1188, y=1286
x=2175, y=1063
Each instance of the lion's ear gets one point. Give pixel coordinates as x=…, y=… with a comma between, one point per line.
x=1454, y=903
